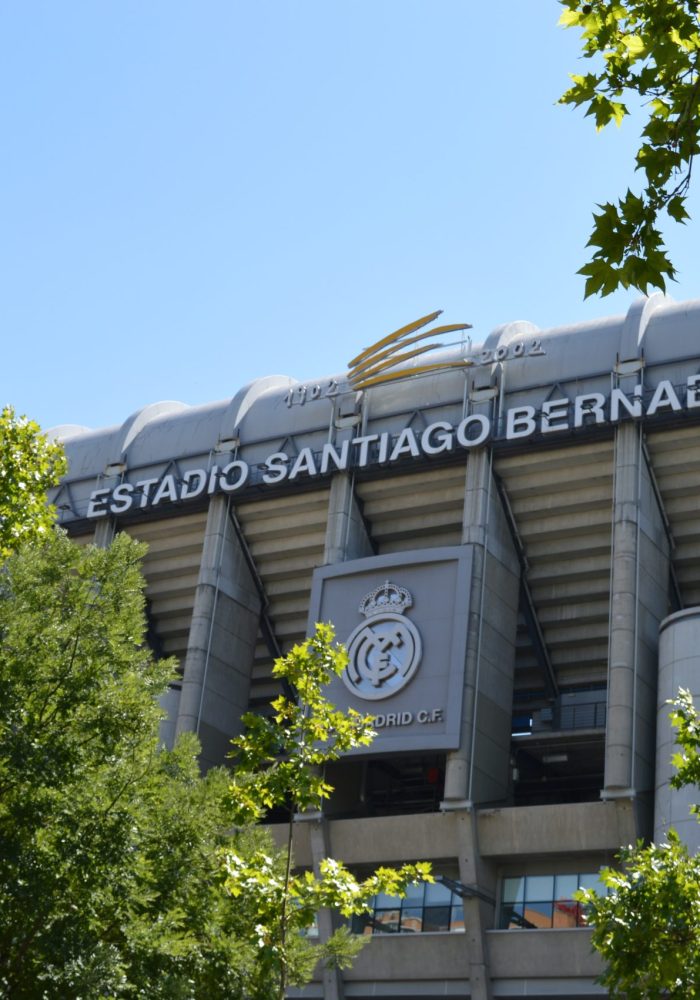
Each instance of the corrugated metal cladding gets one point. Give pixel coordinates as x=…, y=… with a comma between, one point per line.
x=567, y=463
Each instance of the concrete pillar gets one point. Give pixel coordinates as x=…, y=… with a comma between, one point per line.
x=639, y=600
x=479, y=770
x=346, y=538
x=170, y=702
x=105, y=531
x=319, y=842
x=679, y=667
x=346, y=534
x=221, y=647
x=478, y=914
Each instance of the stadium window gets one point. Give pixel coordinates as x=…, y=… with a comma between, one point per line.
x=545, y=901
x=427, y=907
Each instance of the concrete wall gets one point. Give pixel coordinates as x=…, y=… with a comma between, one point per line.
x=379, y=839
x=543, y=955
x=523, y=963
x=529, y=831
x=679, y=667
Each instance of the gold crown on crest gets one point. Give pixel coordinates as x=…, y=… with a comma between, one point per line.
x=387, y=597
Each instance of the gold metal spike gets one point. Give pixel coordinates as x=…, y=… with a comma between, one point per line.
x=375, y=358
x=396, y=335
x=388, y=351
x=391, y=362
x=420, y=370
x=376, y=364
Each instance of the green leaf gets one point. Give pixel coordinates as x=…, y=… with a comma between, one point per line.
x=676, y=209
x=29, y=466
x=644, y=52
x=634, y=44
x=569, y=18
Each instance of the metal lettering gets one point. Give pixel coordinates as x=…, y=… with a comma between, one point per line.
x=275, y=468
x=554, y=410
x=121, y=499
x=238, y=469
x=520, y=422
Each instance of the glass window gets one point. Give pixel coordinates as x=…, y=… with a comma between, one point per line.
x=544, y=901
x=426, y=907
x=385, y=902
x=457, y=918
x=414, y=894
x=436, y=918
x=540, y=886
x=436, y=893
x=538, y=914
x=513, y=890
x=512, y=915
x=565, y=886
x=412, y=920
x=592, y=881
x=387, y=921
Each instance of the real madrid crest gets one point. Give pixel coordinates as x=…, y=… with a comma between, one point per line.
x=385, y=650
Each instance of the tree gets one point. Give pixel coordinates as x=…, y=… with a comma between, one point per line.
x=647, y=928
x=280, y=763
x=29, y=466
x=111, y=881
x=648, y=52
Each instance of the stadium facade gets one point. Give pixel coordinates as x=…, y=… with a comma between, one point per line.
x=509, y=549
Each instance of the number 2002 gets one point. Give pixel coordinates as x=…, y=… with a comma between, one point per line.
x=518, y=349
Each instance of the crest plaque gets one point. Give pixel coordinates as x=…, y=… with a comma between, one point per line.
x=385, y=650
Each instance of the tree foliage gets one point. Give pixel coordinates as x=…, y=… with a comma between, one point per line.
x=648, y=52
x=29, y=466
x=280, y=763
x=111, y=883
x=647, y=928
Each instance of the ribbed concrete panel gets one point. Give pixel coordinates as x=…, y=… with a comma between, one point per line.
x=675, y=457
x=86, y=539
x=285, y=537
x=171, y=568
x=414, y=511
x=561, y=500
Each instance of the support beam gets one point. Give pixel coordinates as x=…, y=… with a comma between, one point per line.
x=320, y=848
x=639, y=600
x=105, y=531
x=347, y=536
x=478, y=910
x=479, y=770
x=216, y=677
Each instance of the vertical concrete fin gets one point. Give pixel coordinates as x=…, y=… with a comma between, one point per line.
x=477, y=917
x=104, y=533
x=639, y=600
x=346, y=538
x=346, y=532
x=320, y=848
x=635, y=326
x=479, y=769
x=221, y=646
x=679, y=642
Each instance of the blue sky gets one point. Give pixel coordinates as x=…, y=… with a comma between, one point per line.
x=196, y=194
